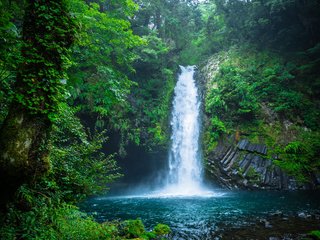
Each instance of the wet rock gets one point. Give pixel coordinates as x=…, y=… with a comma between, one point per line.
x=274, y=238
x=269, y=115
x=266, y=223
x=244, y=165
x=245, y=182
x=277, y=214
x=304, y=215
x=287, y=124
x=245, y=145
x=242, y=144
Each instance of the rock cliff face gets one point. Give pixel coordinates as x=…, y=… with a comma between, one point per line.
x=236, y=162
x=245, y=165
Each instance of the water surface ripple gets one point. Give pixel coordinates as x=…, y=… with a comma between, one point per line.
x=198, y=218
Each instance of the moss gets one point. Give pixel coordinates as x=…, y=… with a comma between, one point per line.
x=133, y=228
x=24, y=149
x=161, y=229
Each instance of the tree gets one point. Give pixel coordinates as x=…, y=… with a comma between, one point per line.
x=99, y=78
x=48, y=32
x=277, y=24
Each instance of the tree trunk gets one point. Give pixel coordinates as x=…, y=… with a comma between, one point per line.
x=24, y=150
x=48, y=32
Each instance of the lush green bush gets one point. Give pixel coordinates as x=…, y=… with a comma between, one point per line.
x=36, y=215
x=215, y=129
x=43, y=209
x=79, y=168
x=302, y=156
x=161, y=229
x=247, y=78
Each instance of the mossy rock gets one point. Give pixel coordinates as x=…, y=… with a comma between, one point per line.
x=161, y=229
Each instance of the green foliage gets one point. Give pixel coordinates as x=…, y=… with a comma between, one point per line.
x=103, y=56
x=218, y=125
x=285, y=25
x=161, y=229
x=214, y=102
x=215, y=129
x=43, y=210
x=287, y=81
x=79, y=168
x=315, y=234
x=154, y=52
x=150, y=99
x=152, y=106
x=210, y=38
x=48, y=32
x=248, y=78
x=253, y=175
x=236, y=93
x=300, y=157
x=10, y=44
x=36, y=215
x=99, y=78
x=260, y=94
x=133, y=228
x=99, y=87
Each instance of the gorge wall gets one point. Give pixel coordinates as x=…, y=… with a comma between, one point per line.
x=248, y=142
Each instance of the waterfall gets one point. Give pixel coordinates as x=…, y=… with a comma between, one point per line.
x=184, y=176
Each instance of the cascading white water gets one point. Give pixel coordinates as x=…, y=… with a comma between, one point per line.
x=185, y=168
x=184, y=176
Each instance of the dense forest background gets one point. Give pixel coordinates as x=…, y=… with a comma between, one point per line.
x=74, y=74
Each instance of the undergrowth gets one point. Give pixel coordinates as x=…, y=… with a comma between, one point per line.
x=35, y=215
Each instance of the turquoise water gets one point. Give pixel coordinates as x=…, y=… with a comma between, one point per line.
x=200, y=217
